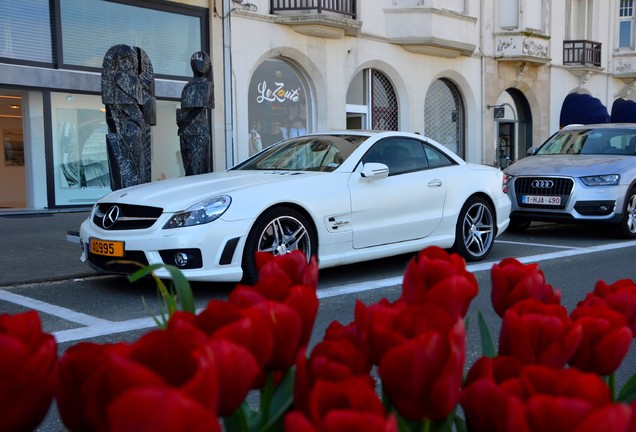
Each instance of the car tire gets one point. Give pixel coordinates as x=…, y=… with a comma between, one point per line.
x=279, y=230
x=518, y=225
x=626, y=228
x=476, y=229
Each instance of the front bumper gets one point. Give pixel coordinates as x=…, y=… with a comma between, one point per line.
x=579, y=203
x=212, y=252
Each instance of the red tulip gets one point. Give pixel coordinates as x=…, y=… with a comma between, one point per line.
x=287, y=270
x=568, y=383
x=337, y=331
x=615, y=417
x=157, y=409
x=28, y=365
x=286, y=279
x=246, y=327
x=489, y=407
x=333, y=359
x=375, y=324
x=94, y=377
x=284, y=325
x=539, y=333
x=177, y=355
x=605, y=341
x=237, y=372
x=496, y=369
x=620, y=296
x=513, y=282
x=546, y=413
x=565, y=399
x=435, y=276
x=343, y=406
x=423, y=376
x=544, y=399
x=77, y=365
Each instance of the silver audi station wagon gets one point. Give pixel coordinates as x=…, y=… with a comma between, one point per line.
x=582, y=173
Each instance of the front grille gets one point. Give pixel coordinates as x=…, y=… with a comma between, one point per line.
x=543, y=186
x=111, y=265
x=125, y=216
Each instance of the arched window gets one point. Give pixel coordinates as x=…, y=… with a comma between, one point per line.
x=372, y=102
x=277, y=106
x=444, y=116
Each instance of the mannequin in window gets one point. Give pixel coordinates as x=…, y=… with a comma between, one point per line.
x=127, y=93
x=193, y=118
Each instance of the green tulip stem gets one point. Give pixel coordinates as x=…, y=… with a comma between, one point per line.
x=267, y=393
x=426, y=425
x=612, y=385
x=237, y=421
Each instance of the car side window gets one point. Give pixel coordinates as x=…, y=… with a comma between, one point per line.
x=401, y=155
x=436, y=158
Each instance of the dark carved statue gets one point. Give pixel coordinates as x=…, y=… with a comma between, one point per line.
x=128, y=93
x=193, y=118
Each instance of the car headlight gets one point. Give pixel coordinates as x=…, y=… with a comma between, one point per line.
x=601, y=180
x=201, y=213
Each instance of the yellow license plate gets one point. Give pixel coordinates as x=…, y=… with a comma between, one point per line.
x=107, y=247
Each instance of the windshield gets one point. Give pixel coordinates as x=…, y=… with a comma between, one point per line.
x=306, y=153
x=591, y=141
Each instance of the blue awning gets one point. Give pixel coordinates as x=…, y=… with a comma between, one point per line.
x=581, y=108
x=624, y=111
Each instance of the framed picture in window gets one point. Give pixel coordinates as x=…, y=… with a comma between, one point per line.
x=13, y=144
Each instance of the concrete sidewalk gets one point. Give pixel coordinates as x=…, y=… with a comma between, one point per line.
x=34, y=247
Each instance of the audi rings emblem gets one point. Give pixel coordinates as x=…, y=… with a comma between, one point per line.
x=111, y=216
x=542, y=184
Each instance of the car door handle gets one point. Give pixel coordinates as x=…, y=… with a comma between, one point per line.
x=435, y=183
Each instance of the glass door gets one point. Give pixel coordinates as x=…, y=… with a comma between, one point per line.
x=12, y=171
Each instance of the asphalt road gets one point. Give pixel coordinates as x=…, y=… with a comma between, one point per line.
x=106, y=309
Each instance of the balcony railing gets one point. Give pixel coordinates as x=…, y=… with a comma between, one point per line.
x=346, y=8
x=582, y=53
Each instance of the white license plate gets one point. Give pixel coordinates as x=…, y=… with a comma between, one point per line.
x=545, y=200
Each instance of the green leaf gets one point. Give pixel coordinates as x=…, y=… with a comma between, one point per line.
x=244, y=419
x=460, y=423
x=628, y=392
x=143, y=271
x=445, y=425
x=281, y=400
x=487, y=345
x=178, y=297
x=182, y=287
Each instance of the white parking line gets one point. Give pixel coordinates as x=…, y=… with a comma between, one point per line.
x=95, y=327
x=539, y=244
x=47, y=308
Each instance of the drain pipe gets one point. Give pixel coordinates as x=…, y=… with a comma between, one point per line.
x=227, y=84
x=482, y=109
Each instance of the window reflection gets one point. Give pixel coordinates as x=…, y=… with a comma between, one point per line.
x=80, y=160
x=277, y=105
x=91, y=27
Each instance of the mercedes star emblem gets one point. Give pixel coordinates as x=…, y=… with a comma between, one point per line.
x=111, y=216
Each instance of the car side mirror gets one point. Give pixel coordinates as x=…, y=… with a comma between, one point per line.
x=374, y=171
x=532, y=151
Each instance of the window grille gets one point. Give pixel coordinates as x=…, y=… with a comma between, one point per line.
x=444, y=116
x=384, y=103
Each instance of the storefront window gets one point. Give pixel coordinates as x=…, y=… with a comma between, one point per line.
x=81, y=174
x=277, y=105
x=26, y=30
x=91, y=27
x=80, y=158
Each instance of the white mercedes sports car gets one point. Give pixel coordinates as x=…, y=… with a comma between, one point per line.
x=343, y=196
